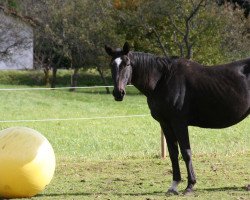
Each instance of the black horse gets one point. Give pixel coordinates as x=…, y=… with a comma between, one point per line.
x=180, y=93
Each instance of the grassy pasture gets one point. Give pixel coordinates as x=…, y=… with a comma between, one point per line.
x=119, y=158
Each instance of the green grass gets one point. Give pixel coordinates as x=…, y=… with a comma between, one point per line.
x=120, y=158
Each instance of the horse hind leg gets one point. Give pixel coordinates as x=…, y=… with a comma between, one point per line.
x=186, y=154
x=246, y=70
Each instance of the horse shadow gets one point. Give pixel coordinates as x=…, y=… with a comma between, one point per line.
x=134, y=194
x=223, y=189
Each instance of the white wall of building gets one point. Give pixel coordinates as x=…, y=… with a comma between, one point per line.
x=15, y=31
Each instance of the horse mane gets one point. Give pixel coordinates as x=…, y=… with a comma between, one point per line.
x=148, y=61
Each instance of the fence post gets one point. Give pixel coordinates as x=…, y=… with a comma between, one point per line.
x=163, y=146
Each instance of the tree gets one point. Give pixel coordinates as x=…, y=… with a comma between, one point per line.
x=49, y=51
x=76, y=30
x=73, y=33
x=162, y=15
x=192, y=29
x=87, y=27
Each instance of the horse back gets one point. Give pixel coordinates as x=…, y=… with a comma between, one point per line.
x=216, y=96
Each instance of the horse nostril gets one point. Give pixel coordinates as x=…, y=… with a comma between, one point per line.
x=122, y=92
x=119, y=94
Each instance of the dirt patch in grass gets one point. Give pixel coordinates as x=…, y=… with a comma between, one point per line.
x=218, y=178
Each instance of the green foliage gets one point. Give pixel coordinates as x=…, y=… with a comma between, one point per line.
x=35, y=78
x=82, y=28
x=197, y=29
x=214, y=34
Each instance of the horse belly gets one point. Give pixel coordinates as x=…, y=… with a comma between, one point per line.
x=218, y=117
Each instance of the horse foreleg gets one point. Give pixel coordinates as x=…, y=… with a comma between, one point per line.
x=173, y=154
x=181, y=132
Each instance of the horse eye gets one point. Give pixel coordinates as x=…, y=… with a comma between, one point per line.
x=121, y=67
x=123, y=64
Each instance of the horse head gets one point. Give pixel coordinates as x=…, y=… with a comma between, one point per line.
x=121, y=69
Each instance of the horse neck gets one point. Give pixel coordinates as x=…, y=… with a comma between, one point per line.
x=147, y=70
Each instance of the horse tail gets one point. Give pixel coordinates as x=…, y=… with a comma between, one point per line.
x=246, y=67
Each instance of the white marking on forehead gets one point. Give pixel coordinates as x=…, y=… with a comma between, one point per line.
x=118, y=61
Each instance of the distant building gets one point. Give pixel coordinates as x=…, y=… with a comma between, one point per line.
x=16, y=41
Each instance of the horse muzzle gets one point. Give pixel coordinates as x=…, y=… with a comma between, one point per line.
x=119, y=94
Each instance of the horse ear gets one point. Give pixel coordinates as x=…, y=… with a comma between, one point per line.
x=126, y=48
x=109, y=50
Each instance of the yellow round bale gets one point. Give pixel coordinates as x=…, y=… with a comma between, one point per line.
x=27, y=162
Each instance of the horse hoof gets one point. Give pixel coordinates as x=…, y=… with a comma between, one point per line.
x=248, y=187
x=172, y=192
x=188, y=192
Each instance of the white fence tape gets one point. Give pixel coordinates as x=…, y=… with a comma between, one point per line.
x=163, y=141
x=73, y=119
x=65, y=119
x=57, y=88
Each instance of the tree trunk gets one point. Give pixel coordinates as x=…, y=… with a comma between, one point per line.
x=54, y=71
x=53, y=81
x=46, y=75
x=103, y=78
x=74, y=78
